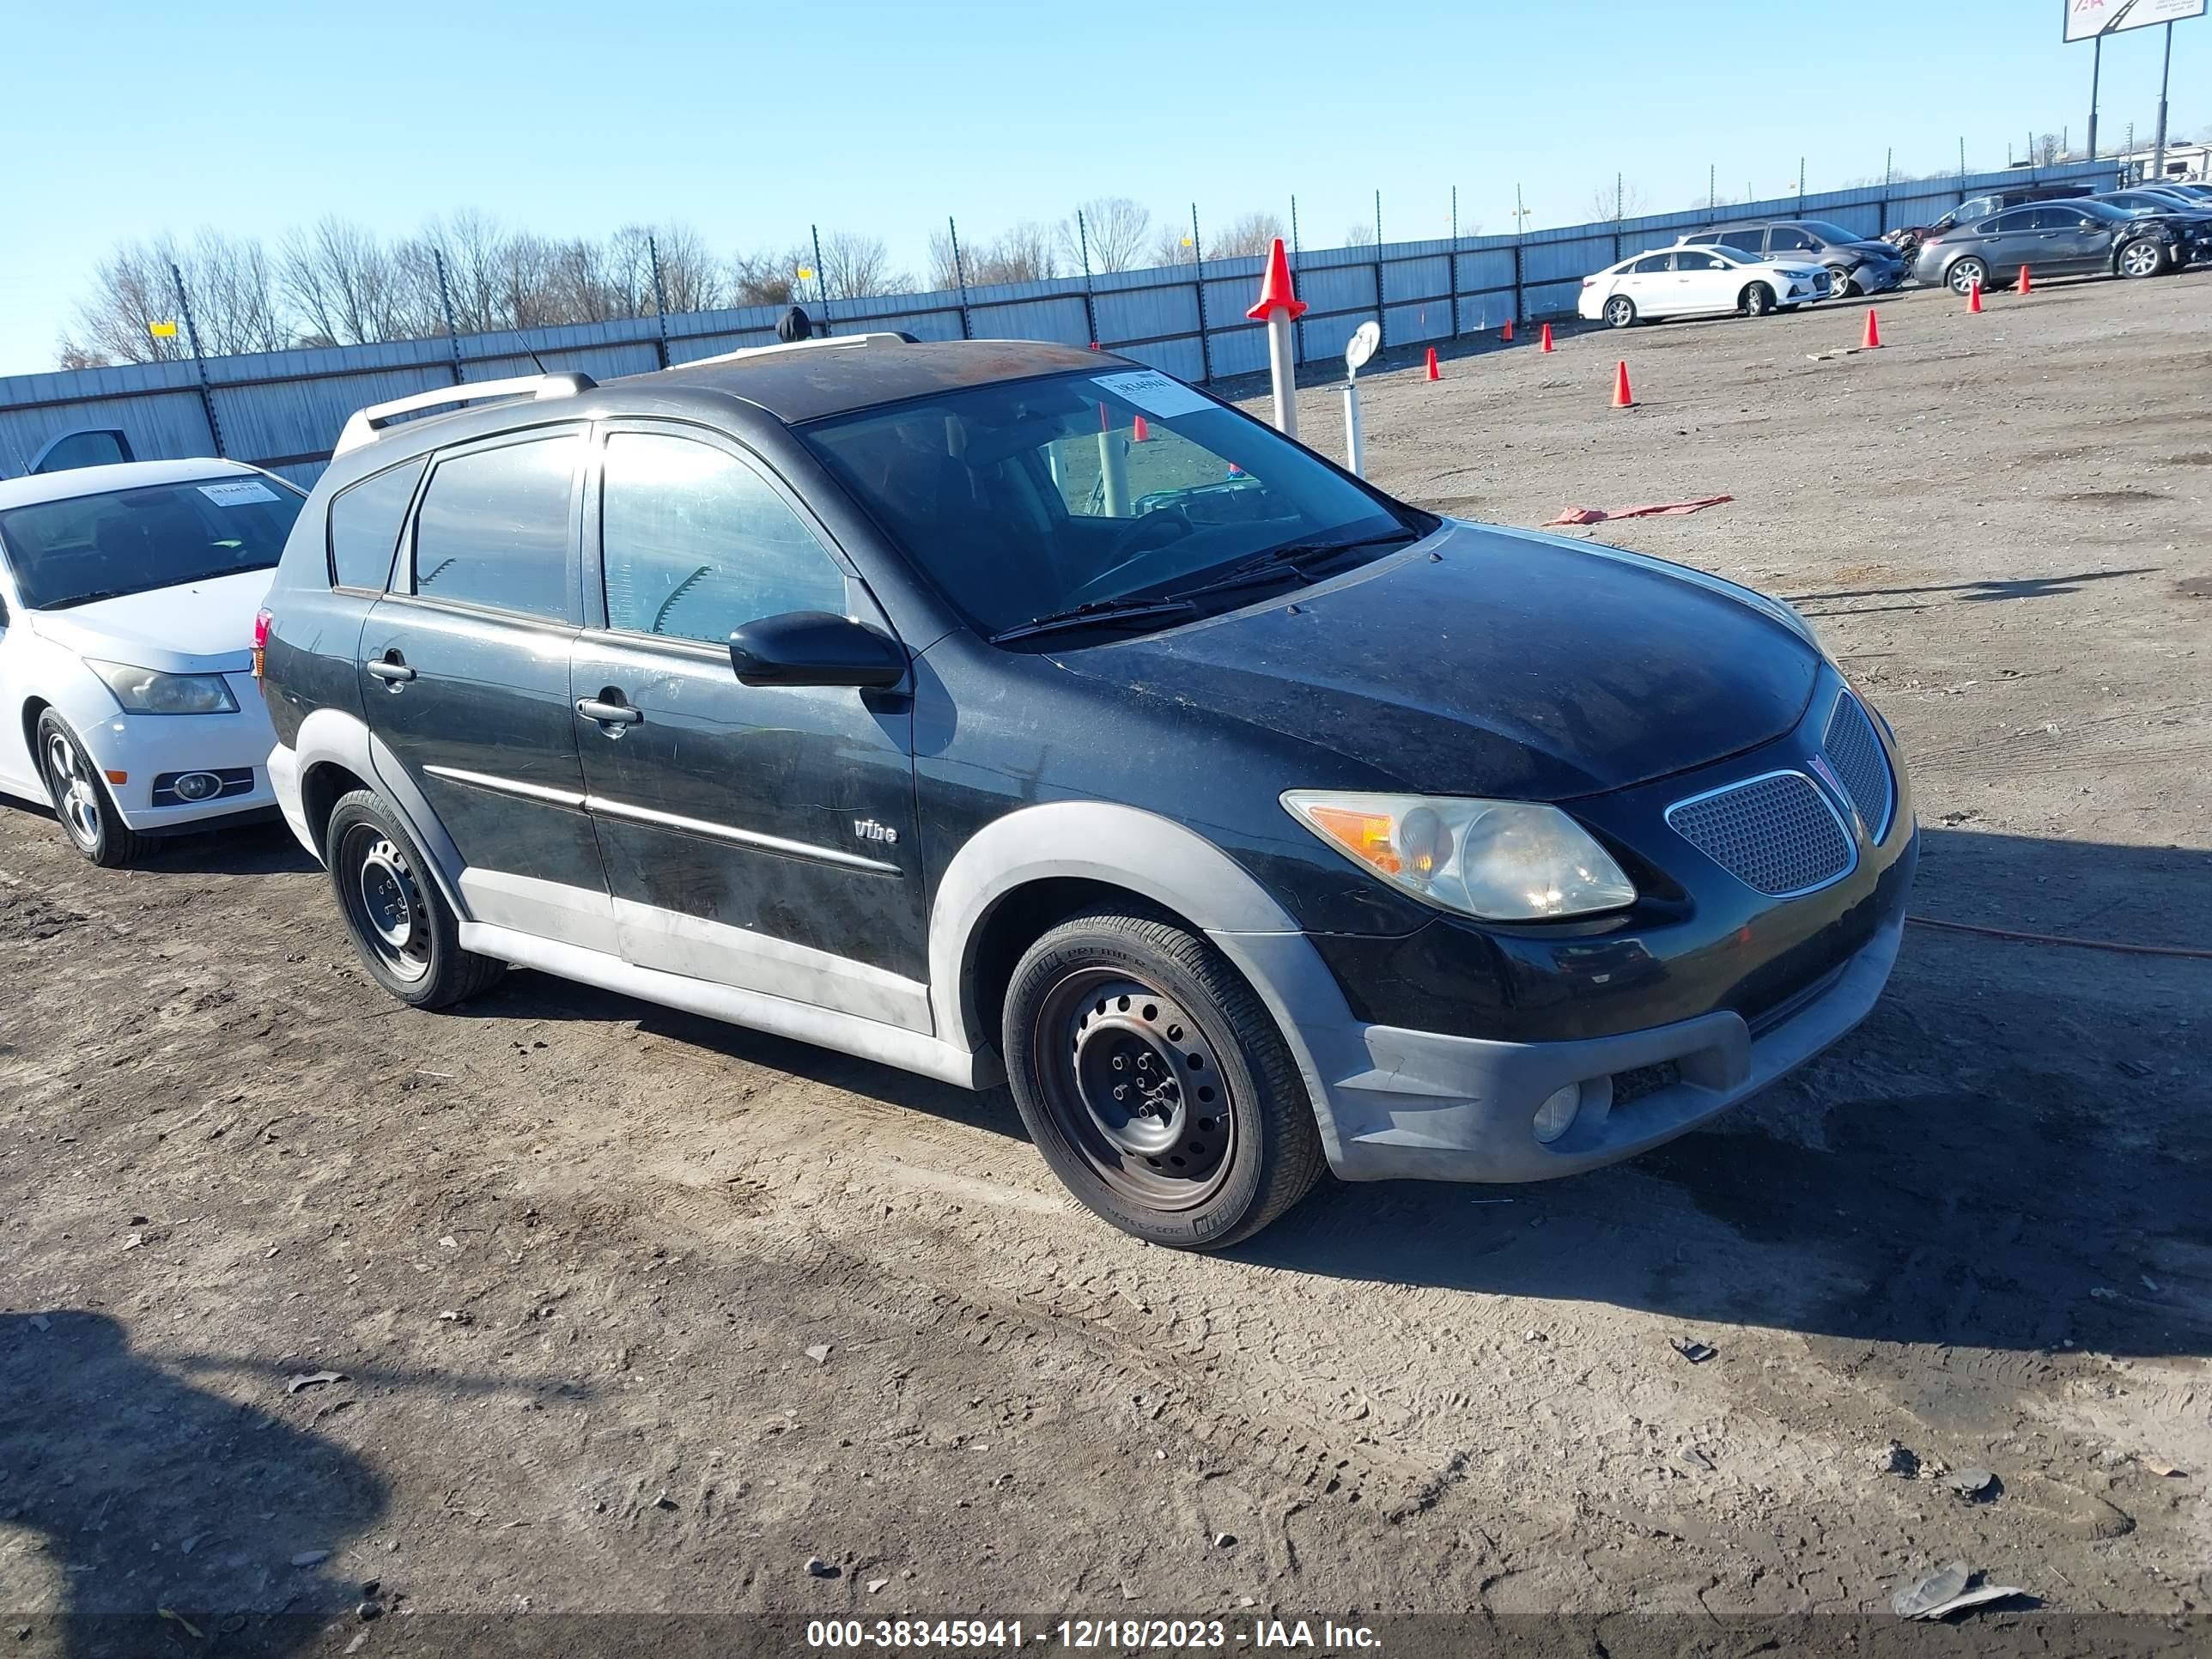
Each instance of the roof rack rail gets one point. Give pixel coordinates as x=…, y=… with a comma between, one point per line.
x=879, y=336
x=362, y=426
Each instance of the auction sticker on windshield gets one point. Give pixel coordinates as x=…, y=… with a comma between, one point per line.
x=245, y=493
x=1153, y=392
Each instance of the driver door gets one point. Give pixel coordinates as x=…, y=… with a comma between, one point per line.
x=760, y=837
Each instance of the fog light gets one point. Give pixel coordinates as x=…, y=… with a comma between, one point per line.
x=1556, y=1114
x=198, y=785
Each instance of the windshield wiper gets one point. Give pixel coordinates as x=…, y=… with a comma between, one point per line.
x=1292, y=559
x=1092, y=612
x=93, y=597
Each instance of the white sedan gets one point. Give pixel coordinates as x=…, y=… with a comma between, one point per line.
x=1699, y=281
x=127, y=603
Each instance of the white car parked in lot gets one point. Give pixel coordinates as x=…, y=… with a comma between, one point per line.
x=127, y=603
x=1699, y=281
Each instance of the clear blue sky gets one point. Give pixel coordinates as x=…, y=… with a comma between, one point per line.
x=121, y=119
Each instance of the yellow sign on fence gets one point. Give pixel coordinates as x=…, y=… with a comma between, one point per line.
x=162, y=331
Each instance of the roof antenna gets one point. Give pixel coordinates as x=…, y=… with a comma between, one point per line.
x=527, y=346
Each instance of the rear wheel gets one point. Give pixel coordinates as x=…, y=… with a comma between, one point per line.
x=82, y=800
x=2144, y=257
x=400, y=922
x=1155, y=1084
x=1967, y=274
x=1756, y=301
x=1620, y=312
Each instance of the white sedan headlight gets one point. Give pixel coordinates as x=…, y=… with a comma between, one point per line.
x=1500, y=860
x=149, y=691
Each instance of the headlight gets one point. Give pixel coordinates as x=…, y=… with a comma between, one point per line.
x=1500, y=860
x=149, y=691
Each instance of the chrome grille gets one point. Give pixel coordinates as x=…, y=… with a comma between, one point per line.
x=1856, y=753
x=1775, y=834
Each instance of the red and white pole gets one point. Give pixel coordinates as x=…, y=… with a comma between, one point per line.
x=1279, y=308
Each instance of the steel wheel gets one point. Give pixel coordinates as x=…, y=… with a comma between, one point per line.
x=2142, y=258
x=390, y=914
x=76, y=795
x=1136, y=1088
x=1966, y=273
x=1619, y=310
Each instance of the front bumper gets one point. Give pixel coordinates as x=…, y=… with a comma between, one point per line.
x=150, y=749
x=1879, y=278
x=1438, y=1108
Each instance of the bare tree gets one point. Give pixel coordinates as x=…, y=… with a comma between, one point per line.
x=1617, y=200
x=232, y=293
x=1116, y=228
x=1173, y=245
x=2049, y=148
x=1359, y=233
x=858, y=266
x=765, y=279
x=1243, y=238
x=691, y=277
x=344, y=285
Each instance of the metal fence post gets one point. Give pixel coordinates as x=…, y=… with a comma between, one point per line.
x=207, y=387
x=959, y=276
x=1089, y=300
x=1299, y=328
x=660, y=299
x=446, y=305
x=821, y=278
x=1198, y=261
x=1454, y=263
x=1520, y=270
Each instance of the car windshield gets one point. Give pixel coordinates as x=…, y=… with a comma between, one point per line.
x=1029, y=498
x=131, y=541
x=1828, y=233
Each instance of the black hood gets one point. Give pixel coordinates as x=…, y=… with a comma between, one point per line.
x=1879, y=250
x=1516, y=666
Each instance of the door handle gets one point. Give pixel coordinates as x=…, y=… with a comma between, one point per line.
x=609, y=714
x=393, y=672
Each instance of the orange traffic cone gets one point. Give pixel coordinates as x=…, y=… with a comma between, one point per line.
x=1873, y=340
x=1433, y=373
x=1973, y=296
x=2026, y=287
x=1622, y=397
x=1139, y=433
x=1506, y=332
x=1548, y=337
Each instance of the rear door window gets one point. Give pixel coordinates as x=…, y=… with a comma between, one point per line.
x=694, y=544
x=494, y=528
x=365, y=524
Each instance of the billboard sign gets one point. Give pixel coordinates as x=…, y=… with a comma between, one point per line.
x=2088, y=19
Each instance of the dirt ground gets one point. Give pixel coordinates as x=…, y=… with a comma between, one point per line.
x=637, y=1314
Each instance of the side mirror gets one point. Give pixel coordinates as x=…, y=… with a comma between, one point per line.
x=813, y=647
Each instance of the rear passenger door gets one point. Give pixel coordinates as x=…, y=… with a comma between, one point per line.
x=759, y=836
x=464, y=678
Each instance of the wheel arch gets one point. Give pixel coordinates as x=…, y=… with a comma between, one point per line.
x=1024, y=872
x=334, y=747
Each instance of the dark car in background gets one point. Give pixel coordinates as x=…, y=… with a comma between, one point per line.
x=1855, y=265
x=910, y=700
x=2074, y=238
x=2144, y=200
x=1907, y=239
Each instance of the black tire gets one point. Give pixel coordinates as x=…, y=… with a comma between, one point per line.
x=81, y=800
x=398, y=920
x=1840, y=283
x=1215, y=1136
x=1964, y=273
x=2143, y=256
x=1756, y=301
x=1620, y=312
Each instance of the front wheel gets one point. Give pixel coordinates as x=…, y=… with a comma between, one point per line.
x=1756, y=301
x=400, y=922
x=2143, y=257
x=82, y=800
x=1620, y=312
x=1840, y=283
x=1966, y=275
x=1155, y=1083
